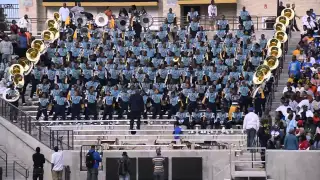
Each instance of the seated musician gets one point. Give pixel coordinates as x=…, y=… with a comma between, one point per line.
x=237, y=117
x=182, y=118
x=196, y=117
x=248, y=26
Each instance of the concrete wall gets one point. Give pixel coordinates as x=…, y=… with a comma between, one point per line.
x=212, y=161
x=23, y=145
x=293, y=165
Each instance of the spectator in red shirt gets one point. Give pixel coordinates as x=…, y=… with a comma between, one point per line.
x=14, y=27
x=304, y=143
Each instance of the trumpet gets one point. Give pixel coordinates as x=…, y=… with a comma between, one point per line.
x=80, y=55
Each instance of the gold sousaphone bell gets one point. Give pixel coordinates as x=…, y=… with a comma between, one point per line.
x=288, y=12
x=51, y=23
x=56, y=16
x=272, y=62
x=16, y=69
x=26, y=64
x=18, y=80
x=279, y=26
x=47, y=36
x=33, y=55
x=283, y=19
x=281, y=36
x=274, y=51
x=274, y=42
x=263, y=73
x=55, y=32
x=39, y=45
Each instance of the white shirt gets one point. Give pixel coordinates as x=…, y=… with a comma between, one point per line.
x=285, y=89
x=283, y=109
x=251, y=120
x=310, y=25
x=305, y=19
x=300, y=89
x=304, y=102
x=64, y=13
x=57, y=161
x=308, y=113
x=212, y=10
x=24, y=23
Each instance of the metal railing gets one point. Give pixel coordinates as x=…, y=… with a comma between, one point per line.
x=84, y=151
x=67, y=172
x=20, y=170
x=23, y=121
x=5, y=159
x=57, y=135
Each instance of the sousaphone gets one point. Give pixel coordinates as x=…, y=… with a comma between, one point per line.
x=47, y=36
x=13, y=94
x=18, y=80
x=272, y=62
x=101, y=20
x=146, y=20
x=82, y=20
x=262, y=73
x=69, y=32
x=283, y=19
x=279, y=26
x=33, y=55
x=281, y=36
x=51, y=23
x=274, y=42
x=26, y=64
x=16, y=69
x=122, y=23
x=288, y=12
x=39, y=45
x=55, y=32
x=274, y=51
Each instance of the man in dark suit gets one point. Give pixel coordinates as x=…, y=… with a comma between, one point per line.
x=136, y=105
x=280, y=8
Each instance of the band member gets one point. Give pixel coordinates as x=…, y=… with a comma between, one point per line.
x=91, y=103
x=193, y=15
x=43, y=106
x=171, y=17
x=182, y=118
x=109, y=103
x=15, y=104
x=224, y=24
x=60, y=107
x=136, y=105
x=156, y=104
x=173, y=105
x=75, y=105
x=209, y=118
x=37, y=75
x=197, y=119
x=192, y=100
x=194, y=27
x=123, y=99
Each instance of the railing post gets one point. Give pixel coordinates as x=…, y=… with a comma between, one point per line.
x=6, y=165
x=40, y=132
x=68, y=140
x=29, y=119
x=14, y=169
x=50, y=139
x=257, y=23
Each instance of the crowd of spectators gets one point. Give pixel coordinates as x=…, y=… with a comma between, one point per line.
x=299, y=113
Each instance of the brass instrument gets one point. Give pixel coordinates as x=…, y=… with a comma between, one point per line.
x=101, y=20
x=288, y=12
x=281, y=36
x=146, y=20
x=14, y=96
x=55, y=33
x=279, y=26
x=283, y=19
x=26, y=64
x=80, y=55
x=84, y=31
x=56, y=16
x=47, y=36
x=176, y=59
x=33, y=55
x=122, y=23
x=262, y=73
x=272, y=62
x=15, y=69
x=39, y=45
x=18, y=80
x=82, y=20
x=274, y=51
x=274, y=42
x=51, y=23
x=69, y=32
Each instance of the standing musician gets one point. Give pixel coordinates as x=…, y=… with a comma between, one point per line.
x=76, y=105
x=109, y=103
x=36, y=78
x=91, y=103
x=43, y=106
x=60, y=106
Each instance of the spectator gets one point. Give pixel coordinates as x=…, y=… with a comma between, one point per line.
x=6, y=49
x=64, y=14
x=251, y=125
x=316, y=143
x=311, y=26
x=22, y=44
x=38, y=161
x=280, y=8
x=57, y=164
x=290, y=141
x=303, y=143
x=294, y=25
x=212, y=12
x=294, y=67
x=24, y=23
x=92, y=163
x=158, y=162
x=124, y=167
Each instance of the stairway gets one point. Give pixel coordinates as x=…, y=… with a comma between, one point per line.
x=248, y=166
x=11, y=158
x=293, y=42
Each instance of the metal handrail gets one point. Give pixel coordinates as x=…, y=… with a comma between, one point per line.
x=5, y=160
x=23, y=121
x=25, y=174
